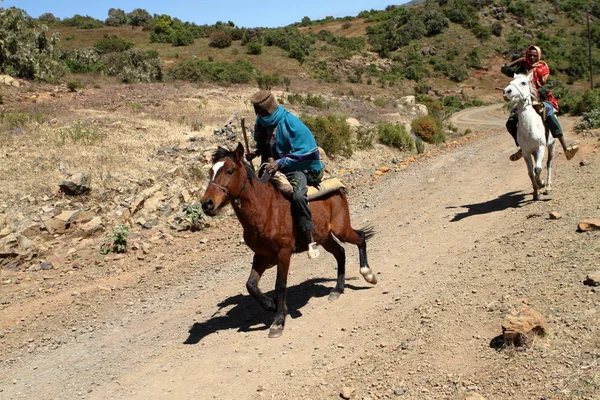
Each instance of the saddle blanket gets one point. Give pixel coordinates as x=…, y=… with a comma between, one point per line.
x=314, y=192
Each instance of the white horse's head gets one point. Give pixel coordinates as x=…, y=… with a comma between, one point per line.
x=520, y=89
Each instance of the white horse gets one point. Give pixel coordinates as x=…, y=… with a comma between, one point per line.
x=532, y=135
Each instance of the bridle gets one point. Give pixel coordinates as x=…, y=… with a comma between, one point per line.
x=526, y=100
x=226, y=188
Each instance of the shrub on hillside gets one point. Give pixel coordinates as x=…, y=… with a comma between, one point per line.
x=134, y=66
x=116, y=17
x=24, y=52
x=267, y=81
x=254, y=48
x=589, y=120
x=332, y=133
x=112, y=43
x=394, y=135
x=49, y=19
x=219, y=72
x=220, y=40
x=252, y=35
x=428, y=128
x=181, y=36
x=83, y=61
x=83, y=22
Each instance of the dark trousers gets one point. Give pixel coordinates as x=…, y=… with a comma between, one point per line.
x=300, y=211
x=512, y=125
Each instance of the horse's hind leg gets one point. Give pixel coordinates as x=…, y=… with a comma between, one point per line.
x=283, y=267
x=359, y=238
x=531, y=174
x=340, y=256
x=259, y=265
x=539, y=159
x=365, y=270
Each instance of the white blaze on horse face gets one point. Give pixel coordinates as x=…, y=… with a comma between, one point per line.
x=216, y=168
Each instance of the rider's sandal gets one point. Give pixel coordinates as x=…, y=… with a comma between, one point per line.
x=517, y=156
x=313, y=250
x=571, y=151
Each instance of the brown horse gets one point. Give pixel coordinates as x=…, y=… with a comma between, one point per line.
x=270, y=232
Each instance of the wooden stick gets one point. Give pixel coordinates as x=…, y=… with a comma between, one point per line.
x=245, y=135
x=246, y=141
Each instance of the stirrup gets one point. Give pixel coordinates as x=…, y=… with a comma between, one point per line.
x=313, y=250
x=517, y=156
x=571, y=151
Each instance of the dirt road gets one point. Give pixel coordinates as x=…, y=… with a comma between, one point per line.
x=459, y=244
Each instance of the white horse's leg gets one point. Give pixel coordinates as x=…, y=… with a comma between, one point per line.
x=539, y=159
x=549, y=167
x=528, y=160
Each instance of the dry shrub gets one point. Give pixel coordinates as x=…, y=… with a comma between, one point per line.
x=220, y=40
x=428, y=128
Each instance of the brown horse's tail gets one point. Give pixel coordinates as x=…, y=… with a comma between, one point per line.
x=366, y=232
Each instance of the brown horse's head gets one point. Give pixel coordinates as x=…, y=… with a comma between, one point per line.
x=228, y=178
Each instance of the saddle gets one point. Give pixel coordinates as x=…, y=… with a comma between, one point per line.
x=280, y=181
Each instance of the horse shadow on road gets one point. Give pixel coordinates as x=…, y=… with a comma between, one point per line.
x=248, y=316
x=505, y=201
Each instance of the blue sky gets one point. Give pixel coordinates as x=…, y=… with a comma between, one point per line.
x=244, y=13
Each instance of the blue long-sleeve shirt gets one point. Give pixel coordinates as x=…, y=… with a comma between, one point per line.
x=291, y=143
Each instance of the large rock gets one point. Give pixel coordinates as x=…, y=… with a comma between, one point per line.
x=518, y=330
x=77, y=184
x=593, y=279
x=589, y=224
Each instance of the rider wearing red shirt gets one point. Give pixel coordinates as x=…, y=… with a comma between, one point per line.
x=541, y=73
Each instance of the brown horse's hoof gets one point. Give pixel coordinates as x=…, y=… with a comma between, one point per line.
x=334, y=295
x=276, y=331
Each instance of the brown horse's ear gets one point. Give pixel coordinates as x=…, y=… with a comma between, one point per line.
x=239, y=152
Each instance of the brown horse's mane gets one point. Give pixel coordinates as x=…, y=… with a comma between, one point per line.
x=221, y=152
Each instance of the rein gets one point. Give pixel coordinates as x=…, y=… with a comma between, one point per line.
x=527, y=100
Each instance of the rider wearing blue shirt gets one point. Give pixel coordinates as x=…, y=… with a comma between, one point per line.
x=285, y=144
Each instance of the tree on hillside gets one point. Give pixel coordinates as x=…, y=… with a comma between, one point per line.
x=49, y=18
x=24, y=52
x=138, y=17
x=116, y=17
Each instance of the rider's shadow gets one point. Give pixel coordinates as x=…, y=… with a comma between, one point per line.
x=247, y=315
x=505, y=201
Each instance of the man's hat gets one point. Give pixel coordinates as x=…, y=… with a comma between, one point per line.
x=265, y=100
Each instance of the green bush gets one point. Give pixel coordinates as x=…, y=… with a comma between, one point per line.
x=112, y=43
x=267, y=81
x=83, y=61
x=254, y=48
x=74, y=85
x=429, y=129
x=316, y=101
x=589, y=120
x=24, y=52
x=394, y=135
x=364, y=138
x=420, y=145
x=80, y=131
x=181, y=36
x=578, y=105
x=220, y=72
x=83, y=22
x=117, y=241
x=332, y=132
x=134, y=66
x=19, y=119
